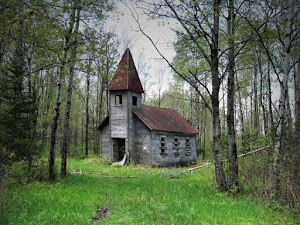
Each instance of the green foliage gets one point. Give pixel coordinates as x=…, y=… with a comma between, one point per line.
x=18, y=113
x=149, y=199
x=188, y=59
x=23, y=172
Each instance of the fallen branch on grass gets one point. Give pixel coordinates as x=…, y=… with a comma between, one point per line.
x=209, y=164
x=101, y=174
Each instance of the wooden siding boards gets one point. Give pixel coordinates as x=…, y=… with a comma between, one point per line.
x=171, y=159
x=118, y=115
x=131, y=127
x=105, y=144
x=142, y=142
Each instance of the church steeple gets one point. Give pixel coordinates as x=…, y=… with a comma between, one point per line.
x=126, y=76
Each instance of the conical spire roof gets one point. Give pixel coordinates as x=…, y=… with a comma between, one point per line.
x=126, y=76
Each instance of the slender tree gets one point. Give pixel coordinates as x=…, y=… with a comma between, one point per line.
x=283, y=93
x=66, y=134
x=54, y=124
x=232, y=150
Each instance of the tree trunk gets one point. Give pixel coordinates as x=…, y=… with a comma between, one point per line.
x=54, y=123
x=283, y=98
x=242, y=117
x=203, y=129
x=87, y=109
x=76, y=132
x=232, y=151
x=66, y=133
x=217, y=145
x=261, y=89
x=297, y=99
x=256, y=114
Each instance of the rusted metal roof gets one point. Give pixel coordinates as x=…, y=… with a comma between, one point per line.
x=160, y=119
x=103, y=122
x=126, y=76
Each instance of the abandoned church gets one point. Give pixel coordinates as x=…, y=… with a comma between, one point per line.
x=140, y=133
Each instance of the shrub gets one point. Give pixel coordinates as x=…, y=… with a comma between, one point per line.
x=24, y=172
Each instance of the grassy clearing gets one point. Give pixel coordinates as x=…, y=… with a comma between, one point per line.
x=149, y=199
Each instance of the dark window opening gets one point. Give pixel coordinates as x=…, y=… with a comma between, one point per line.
x=163, y=147
x=118, y=100
x=176, y=144
x=134, y=100
x=187, y=149
x=187, y=142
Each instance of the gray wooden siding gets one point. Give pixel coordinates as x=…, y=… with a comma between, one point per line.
x=105, y=144
x=131, y=125
x=172, y=156
x=118, y=115
x=142, y=142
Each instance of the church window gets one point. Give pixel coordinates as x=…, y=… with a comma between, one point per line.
x=134, y=100
x=176, y=144
x=118, y=100
x=163, y=147
x=187, y=149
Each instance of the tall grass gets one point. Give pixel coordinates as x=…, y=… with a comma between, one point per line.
x=148, y=199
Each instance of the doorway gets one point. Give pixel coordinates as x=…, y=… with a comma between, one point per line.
x=118, y=148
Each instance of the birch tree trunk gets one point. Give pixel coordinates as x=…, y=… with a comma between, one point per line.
x=272, y=131
x=232, y=151
x=256, y=115
x=283, y=97
x=242, y=117
x=297, y=99
x=297, y=94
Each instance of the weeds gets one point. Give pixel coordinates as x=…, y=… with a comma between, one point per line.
x=148, y=199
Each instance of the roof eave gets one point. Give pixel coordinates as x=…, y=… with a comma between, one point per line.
x=142, y=120
x=102, y=122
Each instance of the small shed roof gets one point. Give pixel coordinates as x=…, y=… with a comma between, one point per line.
x=162, y=119
x=126, y=76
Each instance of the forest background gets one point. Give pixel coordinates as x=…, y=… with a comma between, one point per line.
x=236, y=78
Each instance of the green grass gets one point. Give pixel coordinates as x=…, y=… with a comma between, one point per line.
x=148, y=199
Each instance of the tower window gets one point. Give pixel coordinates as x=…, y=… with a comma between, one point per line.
x=118, y=100
x=134, y=100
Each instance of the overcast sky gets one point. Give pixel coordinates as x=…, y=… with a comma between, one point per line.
x=126, y=28
x=141, y=48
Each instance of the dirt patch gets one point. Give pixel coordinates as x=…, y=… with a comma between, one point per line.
x=101, y=212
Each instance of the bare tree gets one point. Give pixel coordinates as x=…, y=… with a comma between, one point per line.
x=232, y=151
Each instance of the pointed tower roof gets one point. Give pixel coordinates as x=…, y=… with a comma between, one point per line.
x=126, y=76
